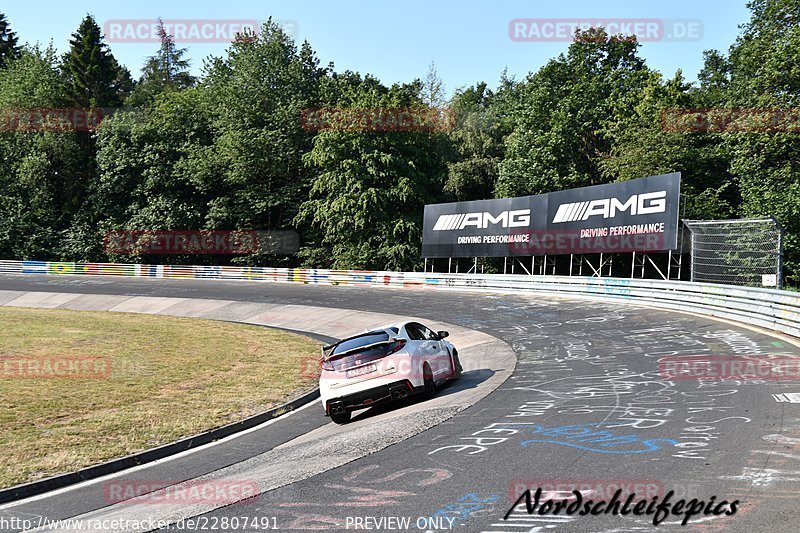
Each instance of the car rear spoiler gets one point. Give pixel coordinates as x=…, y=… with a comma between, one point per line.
x=328, y=350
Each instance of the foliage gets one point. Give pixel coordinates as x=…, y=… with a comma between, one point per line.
x=35, y=190
x=166, y=71
x=92, y=74
x=233, y=150
x=559, y=134
x=9, y=44
x=371, y=186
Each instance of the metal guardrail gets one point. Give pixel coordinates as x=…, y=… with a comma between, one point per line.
x=766, y=308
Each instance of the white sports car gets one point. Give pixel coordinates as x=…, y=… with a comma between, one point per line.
x=386, y=363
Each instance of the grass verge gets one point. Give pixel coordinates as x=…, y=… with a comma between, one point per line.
x=166, y=378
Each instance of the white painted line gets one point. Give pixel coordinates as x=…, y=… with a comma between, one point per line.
x=787, y=397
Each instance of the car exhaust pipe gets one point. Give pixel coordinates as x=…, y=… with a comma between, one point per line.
x=337, y=408
x=399, y=392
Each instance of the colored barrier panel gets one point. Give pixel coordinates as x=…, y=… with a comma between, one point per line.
x=766, y=308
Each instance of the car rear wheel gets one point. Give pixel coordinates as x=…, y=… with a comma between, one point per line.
x=457, y=368
x=341, y=418
x=430, y=384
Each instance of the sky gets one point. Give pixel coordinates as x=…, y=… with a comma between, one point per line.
x=468, y=41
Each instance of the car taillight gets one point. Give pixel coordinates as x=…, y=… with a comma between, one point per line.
x=396, y=346
x=327, y=365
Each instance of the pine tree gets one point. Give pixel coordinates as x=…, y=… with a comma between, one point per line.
x=165, y=71
x=94, y=78
x=433, y=90
x=8, y=42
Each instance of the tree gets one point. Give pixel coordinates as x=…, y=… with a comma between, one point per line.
x=644, y=144
x=558, y=137
x=259, y=93
x=156, y=169
x=34, y=196
x=433, y=90
x=714, y=78
x=93, y=76
x=223, y=155
x=9, y=48
x=370, y=186
x=765, y=74
x=166, y=71
x=94, y=79
x=478, y=136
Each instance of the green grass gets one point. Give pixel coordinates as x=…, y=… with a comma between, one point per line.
x=170, y=378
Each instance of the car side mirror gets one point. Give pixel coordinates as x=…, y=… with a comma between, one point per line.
x=442, y=334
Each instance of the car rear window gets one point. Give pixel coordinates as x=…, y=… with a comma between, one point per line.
x=363, y=340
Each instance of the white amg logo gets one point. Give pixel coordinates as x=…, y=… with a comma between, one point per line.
x=507, y=219
x=642, y=204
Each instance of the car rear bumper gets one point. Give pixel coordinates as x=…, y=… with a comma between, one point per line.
x=369, y=397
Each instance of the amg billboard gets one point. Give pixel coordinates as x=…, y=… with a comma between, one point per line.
x=638, y=215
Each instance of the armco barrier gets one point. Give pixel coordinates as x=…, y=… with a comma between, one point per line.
x=766, y=308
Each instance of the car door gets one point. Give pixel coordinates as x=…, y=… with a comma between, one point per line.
x=438, y=356
x=419, y=349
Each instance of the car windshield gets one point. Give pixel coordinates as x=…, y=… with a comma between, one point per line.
x=360, y=341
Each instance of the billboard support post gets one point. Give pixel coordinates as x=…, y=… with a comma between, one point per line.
x=656, y=267
x=523, y=267
x=669, y=266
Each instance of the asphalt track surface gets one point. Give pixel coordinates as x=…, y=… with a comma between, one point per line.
x=579, y=363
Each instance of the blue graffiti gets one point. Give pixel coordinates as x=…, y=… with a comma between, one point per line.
x=583, y=437
x=466, y=506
